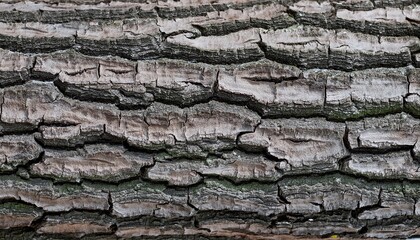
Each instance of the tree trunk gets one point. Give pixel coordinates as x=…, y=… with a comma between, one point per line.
x=244, y=119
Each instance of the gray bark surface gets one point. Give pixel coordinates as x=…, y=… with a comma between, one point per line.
x=226, y=119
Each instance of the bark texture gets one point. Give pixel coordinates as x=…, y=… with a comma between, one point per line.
x=209, y=119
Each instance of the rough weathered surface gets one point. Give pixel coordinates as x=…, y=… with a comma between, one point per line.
x=305, y=146
x=391, y=165
x=283, y=90
x=18, y=150
x=417, y=59
x=49, y=197
x=16, y=215
x=241, y=46
x=312, y=47
x=250, y=197
x=130, y=84
x=70, y=122
x=76, y=224
x=271, y=15
x=317, y=194
x=272, y=89
x=132, y=38
x=14, y=68
x=97, y=162
x=384, y=18
x=366, y=93
x=138, y=198
x=176, y=81
x=395, y=131
x=405, y=230
x=237, y=166
x=227, y=119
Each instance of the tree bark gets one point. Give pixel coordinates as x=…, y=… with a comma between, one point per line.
x=234, y=119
